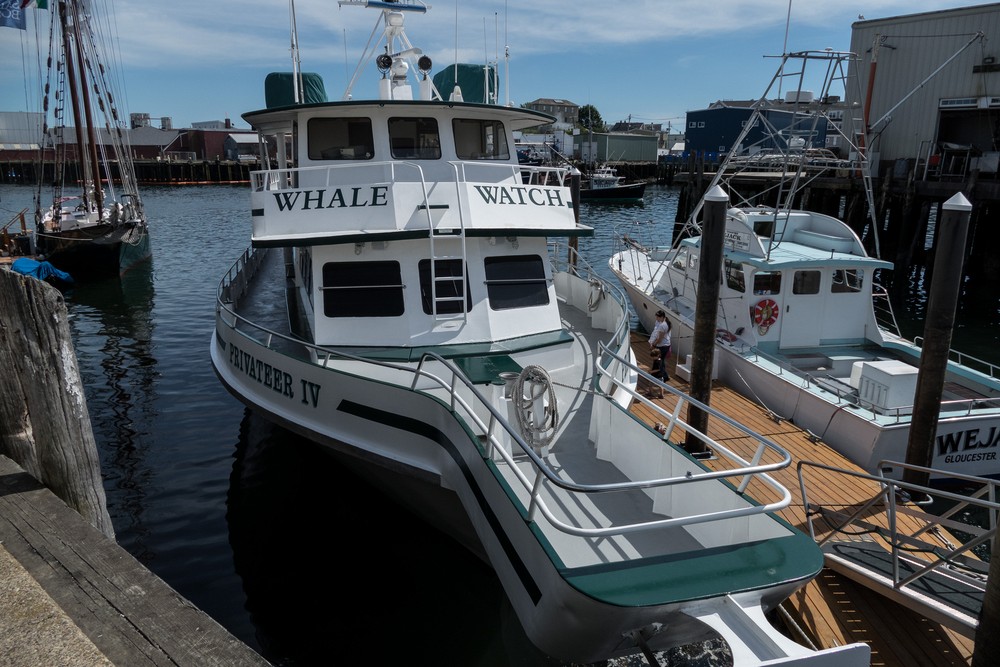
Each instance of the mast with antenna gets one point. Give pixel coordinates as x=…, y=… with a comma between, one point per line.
x=296, y=64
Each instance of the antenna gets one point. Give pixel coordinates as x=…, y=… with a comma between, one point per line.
x=297, y=85
x=506, y=58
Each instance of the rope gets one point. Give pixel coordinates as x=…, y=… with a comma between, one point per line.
x=596, y=295
x=538, y=384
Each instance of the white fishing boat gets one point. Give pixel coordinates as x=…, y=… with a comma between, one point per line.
x=91, y=222
x=797, y=320
x=404, y=304
x=604, y=184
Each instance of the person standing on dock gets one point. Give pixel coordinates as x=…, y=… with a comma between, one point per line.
x=660, y=340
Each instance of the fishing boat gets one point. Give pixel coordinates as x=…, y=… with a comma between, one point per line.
x=412, y=300
x=604, y=184
x=803, y=326
x=92, y=222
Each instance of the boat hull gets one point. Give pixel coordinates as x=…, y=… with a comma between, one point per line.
x=98, y=251
x=621, y=193
x=966, y=444
x=382, y=425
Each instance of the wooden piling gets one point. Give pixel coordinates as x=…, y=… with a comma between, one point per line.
x=706, y=312
x=938, y=326
x=44, y=422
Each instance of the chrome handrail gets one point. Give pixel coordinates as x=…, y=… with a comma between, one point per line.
x=748, y=469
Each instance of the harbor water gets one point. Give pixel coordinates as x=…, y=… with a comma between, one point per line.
x=267, y=534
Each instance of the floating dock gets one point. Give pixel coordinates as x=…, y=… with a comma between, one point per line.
x=833, y=609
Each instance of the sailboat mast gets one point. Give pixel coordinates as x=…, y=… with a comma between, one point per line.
x=74, y=98
x=82, y=91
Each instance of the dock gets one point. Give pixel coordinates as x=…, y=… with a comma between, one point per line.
x=69, y=595
x=832, y=609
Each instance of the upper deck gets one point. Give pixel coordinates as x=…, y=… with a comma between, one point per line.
x=397, y=169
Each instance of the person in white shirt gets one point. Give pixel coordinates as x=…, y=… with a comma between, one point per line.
x=660, y=340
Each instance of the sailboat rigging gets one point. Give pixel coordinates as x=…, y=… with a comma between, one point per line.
x=93, y=232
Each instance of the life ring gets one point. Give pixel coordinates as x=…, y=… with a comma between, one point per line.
x=765, y=313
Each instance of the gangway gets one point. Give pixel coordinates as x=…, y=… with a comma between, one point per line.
x=891, y=544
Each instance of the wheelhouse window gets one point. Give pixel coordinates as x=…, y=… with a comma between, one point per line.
x=680, y=260
x=847, y=280
x=765, y=282
x=340, y=139
x=362, y=289
x=480, y=139
x=414, y=138
x=734, y=276
x=516, y=281
x=805, y=282
x=450, y=286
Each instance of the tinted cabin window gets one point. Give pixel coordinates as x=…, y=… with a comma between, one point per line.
x=767, y=283
x=362, y=289
x=805, y=282
x=734, y=276
x=480, y=139
x=341, y=139
x=414, y=138
x=516, y=282
x=848, y=280
x=450, y=283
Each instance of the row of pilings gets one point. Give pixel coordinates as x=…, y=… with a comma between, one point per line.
x=904, y=231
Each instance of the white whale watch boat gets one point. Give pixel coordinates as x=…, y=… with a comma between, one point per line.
x=401, y=306
x=797, y=325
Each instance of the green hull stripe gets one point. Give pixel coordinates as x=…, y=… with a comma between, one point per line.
x=342, y=239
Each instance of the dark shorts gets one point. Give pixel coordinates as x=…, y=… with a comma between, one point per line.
x=664, y=355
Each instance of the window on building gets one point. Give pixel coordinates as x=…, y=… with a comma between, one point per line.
x=480, y=139
x=414, y=138
x=701, y=123
x=362, y=289
x=516, y=281
x=450, y=286
x=340, y=139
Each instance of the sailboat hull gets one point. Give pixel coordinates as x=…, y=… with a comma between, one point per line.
x=100, y=250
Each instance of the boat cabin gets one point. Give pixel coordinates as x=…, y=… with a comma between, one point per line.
x=412, y=221
x=791, y=280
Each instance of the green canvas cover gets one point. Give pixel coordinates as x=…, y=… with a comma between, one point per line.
x=279, y=89
x=471, y=80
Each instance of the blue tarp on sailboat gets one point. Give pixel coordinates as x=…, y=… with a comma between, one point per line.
x=40, y=270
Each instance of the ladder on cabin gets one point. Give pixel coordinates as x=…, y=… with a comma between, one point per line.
x=448, y=285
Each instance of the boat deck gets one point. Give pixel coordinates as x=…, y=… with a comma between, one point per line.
x=832, y=609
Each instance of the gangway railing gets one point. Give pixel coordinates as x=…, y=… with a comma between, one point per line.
x=888, y=542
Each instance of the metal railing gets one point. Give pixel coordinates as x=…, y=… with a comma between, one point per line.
x=401, y=171
x=447, y=377
x=891, y=498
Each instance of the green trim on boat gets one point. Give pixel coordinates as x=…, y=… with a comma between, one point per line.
x=700, y=574
x=342, y=239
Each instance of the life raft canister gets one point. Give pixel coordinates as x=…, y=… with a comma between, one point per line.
x=765, y=314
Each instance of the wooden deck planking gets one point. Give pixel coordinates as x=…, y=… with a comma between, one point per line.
x=832, y=610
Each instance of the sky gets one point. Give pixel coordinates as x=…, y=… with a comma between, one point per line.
x=642, y=60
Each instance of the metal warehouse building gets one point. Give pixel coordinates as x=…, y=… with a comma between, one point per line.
x=936, y=86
